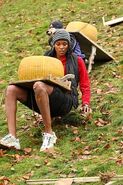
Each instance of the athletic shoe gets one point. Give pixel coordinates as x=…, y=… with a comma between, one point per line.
x=48, y=141
x=10, y=141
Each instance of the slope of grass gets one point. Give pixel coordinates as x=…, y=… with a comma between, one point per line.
x=81, y=150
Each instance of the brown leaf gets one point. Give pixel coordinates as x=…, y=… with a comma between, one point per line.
x=63, y=175
x=87, y=148
x=77, y=139
x=2, y=178
x=121, y=143
x=37, y=165
x=85, y=157
x=27, y=176
x=75, y=130
x=113, y=90
x=107, y=146
x=86, y=152
x=5, y=180
x=100, y=122
x=106, y=177
x=35, y=157
x=2, y=81
x=1, y=153
x=119, y=161
x=116, y=75
x=26, y=127
x=19, y=157
x=99, y=91
x=46, y=162
x=115, y=138
x=101, y=137
x=120, y=132
x=27, y=150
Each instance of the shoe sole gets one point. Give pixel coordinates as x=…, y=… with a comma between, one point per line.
x=5, y=147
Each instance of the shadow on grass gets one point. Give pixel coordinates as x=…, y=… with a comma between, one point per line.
x=74, y=118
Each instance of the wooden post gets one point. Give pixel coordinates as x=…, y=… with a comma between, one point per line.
x=91, y=58
x=68, y=181
x=112, y=22
x=64, y=181
x=110, y=183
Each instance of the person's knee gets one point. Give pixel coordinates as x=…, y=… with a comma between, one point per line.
x=10, y=90
x=39, y=87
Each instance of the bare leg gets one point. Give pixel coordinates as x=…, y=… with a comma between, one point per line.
x=42, y=92
x=13, y=93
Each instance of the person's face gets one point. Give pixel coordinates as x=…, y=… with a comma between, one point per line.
x=61, y=47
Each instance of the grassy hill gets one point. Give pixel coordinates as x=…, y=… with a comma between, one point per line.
x=94, y=149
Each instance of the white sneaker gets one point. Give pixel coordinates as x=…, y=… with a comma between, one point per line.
x=48, y=141
x=10, y=141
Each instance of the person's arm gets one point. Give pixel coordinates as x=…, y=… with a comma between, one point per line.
x=84, y=84
x=78, y=51
x=76, y=47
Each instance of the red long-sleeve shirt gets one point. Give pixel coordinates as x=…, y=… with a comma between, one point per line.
x=84, y=82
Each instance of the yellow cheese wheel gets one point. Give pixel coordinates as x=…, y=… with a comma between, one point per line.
x=36, y=67
x=88, y=30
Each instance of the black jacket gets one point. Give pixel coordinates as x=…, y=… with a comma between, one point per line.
x=71, y=68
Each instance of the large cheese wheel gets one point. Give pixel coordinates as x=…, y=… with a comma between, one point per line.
x=38, y=67
x=88, y=30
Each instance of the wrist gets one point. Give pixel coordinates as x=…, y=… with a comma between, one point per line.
x=85, y=104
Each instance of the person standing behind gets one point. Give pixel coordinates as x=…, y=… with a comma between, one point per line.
x=47, y=100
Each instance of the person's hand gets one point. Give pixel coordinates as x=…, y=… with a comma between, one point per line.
x=85, y=109
x=51, y=31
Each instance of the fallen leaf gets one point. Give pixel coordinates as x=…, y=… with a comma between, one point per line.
x=77, y=139
x=86, y=152
x=100, y=122
x=119, y=161
x=2, y=81
x=115, y=138
x=6, y=181
x=4, y=178
x=106, y=177
x=18, y=157
x=63, y=175
x=99, y=91
x=1, y=153
x=46, y=162
x=27, y=176
x=107, y=146
x=75, y=130
x=27, y=150
x=37, y=165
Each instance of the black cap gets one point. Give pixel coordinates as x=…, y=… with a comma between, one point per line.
x=56, y=24
x=59, y=35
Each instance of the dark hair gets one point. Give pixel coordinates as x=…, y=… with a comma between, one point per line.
x=56, y=24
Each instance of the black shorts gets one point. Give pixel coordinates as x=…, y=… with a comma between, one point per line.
x=60, y=102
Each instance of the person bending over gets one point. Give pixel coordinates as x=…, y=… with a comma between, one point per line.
x=49, y=101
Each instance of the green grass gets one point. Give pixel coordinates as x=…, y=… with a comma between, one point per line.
x=92, y=149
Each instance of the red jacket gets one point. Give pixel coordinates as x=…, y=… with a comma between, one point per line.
x=84, y=82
